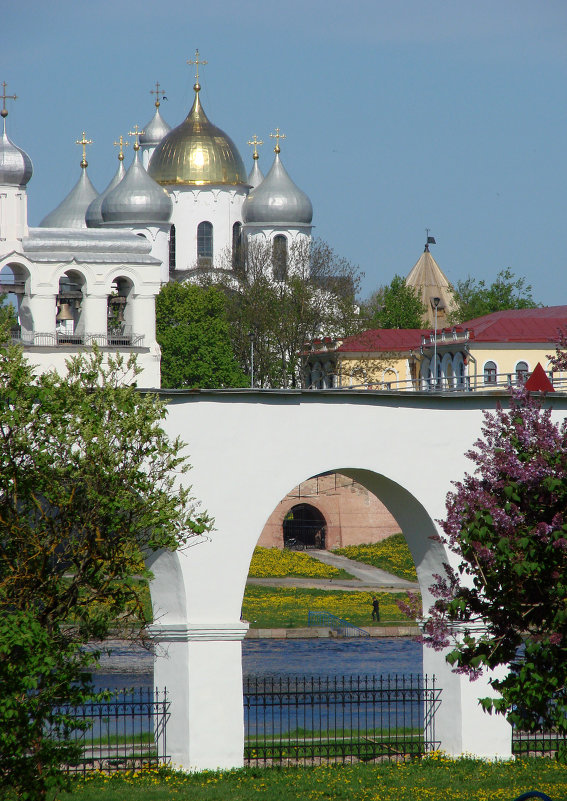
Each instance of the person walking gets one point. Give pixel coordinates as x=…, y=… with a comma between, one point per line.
x=375, y=609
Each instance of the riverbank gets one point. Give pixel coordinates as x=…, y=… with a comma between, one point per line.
x=323, y=633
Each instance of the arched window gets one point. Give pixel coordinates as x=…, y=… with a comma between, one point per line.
x=205, y=244
x=172, y=248
x=237, y=252
x=490, y=372
x=521, y=372
x=279, y=257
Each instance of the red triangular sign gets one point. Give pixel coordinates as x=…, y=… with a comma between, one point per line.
x=539, y=381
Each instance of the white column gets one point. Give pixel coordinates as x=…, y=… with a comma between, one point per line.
x=94, y=314
x=200, y=665
x=143, y=311
x=43, y=310
x=461, y=725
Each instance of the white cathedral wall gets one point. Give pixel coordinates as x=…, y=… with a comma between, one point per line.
x=13, y=213
x=219, y=205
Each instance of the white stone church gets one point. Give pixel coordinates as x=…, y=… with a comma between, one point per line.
x=91, y=271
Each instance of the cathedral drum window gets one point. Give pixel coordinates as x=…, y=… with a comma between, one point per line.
x=205, y=244
x=279, y=257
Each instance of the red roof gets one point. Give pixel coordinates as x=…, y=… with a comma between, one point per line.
x=519, y=325
x=384, y=339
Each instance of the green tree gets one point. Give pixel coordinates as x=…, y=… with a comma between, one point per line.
x=314, y=294
x=194, y=335
x=505, y=605
x=476, y=298
x=394, y=306
x=87, y=488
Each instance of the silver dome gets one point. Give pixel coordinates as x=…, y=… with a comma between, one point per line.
x=70, y=213
x=277, y=200
x=16, y=167
x=93, y=215
x=137, y=199
x=255, y=176
x=155, y=130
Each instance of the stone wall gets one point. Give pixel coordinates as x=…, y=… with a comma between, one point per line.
x=352, y=514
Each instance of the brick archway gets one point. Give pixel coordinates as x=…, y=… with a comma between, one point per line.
x=305, y=527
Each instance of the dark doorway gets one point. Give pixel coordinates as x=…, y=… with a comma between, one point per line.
x=304, y=527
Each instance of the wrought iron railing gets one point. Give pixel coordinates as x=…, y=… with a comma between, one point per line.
x=112, y=339
x=309, y=720
x=125, y=733
x=344, y=628
x=539, y=744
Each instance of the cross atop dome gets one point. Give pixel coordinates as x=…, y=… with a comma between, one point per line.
x=4, y=96
x=196, y=63
x=121, y=144
x=137, y=133
x=254, y=142
x=159, y=93
x=84, y=142
x=277, y=136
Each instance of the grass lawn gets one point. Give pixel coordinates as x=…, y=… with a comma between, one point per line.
x=433, y=779
x=287, y=607
x=392, y=554
x=277, y=563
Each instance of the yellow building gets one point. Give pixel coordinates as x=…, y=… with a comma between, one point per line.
x=492, y=352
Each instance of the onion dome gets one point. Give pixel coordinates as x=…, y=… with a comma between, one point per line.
x=137, y=199
x=255, y=176
x=16, y=167
x=277, y=199
x=197, y=153
x=70, y=213
x=93, y=216
x=155, y=130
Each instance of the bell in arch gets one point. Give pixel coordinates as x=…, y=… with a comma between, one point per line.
x=64, y=312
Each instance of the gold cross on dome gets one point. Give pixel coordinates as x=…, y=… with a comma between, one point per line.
x=277, y=136
x=196, y=62
x=255, y=142
x=159, y=93
x=137, y=133
x=122, y=143
x=84, y=142
x=5, y=97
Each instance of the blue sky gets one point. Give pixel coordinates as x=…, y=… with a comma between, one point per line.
x=399, y=115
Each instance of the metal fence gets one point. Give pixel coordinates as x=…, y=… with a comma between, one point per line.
x=344, y=628
x=309, y=720
x=125, y=733
x=539, y=744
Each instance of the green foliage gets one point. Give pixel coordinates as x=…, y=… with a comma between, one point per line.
x=395, y=305
x=476, y=298
x=38, y=673
x=316, y=295
x=87, y=489
x=194, y=336
x=392, y=555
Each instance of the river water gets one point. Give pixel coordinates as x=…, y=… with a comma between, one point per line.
x=332, y=657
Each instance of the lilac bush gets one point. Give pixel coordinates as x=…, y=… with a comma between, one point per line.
x=505, y=604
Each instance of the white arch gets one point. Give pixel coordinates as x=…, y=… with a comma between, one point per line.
x=266, y=444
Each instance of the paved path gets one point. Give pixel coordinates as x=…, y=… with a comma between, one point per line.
x=366, y=577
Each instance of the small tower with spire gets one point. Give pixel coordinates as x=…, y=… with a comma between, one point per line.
x=155, y=130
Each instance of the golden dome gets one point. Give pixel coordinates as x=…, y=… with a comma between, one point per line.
x=196, y=153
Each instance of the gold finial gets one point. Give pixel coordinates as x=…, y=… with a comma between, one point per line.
x=197, y=62
x=137, y=134
x=4, y=96
x=277, y=136
x=159, y=93
x=255, y=142
x=84, y=142
x=121, y=144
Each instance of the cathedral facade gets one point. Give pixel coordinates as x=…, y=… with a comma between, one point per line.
x=90, y=272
